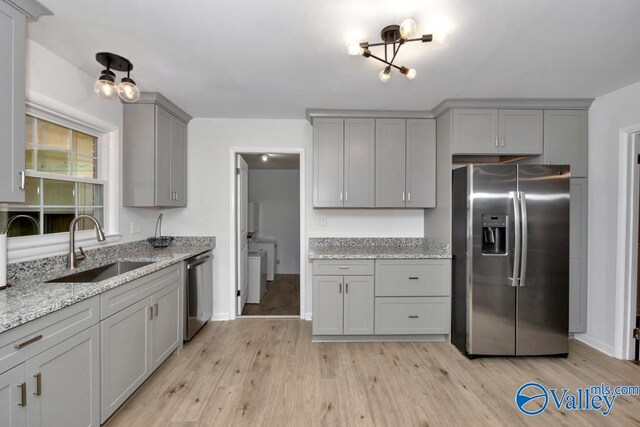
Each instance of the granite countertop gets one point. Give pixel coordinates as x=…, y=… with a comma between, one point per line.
x=30, y=297
x=377, y=248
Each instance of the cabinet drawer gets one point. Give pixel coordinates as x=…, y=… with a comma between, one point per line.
x=409, y=316
x=123, y=296
x=413, y=277
x=347, y=267
x=45, y=332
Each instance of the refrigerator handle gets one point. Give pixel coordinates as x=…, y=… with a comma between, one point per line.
x=525, y=237
x=514, y=195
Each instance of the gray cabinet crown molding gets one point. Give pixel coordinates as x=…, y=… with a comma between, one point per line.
x=158, y=98
x=30, y=8
x=514, y=103
x=318, y=113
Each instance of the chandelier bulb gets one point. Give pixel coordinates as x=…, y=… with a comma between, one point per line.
x=408, y=28
x=385, y=75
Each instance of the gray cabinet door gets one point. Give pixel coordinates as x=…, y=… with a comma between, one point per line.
x=328, y=163
x=475, y=131
x=520, y=132
x=565, y=140
x=327, y=305
x=12, y=103
x=421, y=163
x=163, y=158
x=178, y=162
x=390, y=163
x=12, y=411
x=125, y=355
x=578, y=251
x=358, y=305
x=359, y=163
x=66, y=383
x=165, y=325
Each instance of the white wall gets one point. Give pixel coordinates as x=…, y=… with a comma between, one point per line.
x=608, y=114
x=277, y=192
x=62, y=87
x=210, y=142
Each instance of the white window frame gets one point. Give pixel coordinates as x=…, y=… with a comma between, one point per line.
x=31, y=247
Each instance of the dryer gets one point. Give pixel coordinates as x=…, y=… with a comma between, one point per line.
x=271, y=247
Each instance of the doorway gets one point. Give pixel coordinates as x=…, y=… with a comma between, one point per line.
x=269, y=247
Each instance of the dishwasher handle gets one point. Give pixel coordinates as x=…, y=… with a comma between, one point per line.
x=197, y=261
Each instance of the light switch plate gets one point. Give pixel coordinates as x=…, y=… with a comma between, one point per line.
x=321, y=221
x=135, y=227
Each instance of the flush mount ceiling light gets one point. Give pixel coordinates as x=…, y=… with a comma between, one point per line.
x=393, y=37
x=106, y=87
x=264, y=157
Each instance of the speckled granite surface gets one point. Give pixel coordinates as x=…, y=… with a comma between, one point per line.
x=30, y=297
x=377, y=248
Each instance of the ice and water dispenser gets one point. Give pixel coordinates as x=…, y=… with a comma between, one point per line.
x=494, y=234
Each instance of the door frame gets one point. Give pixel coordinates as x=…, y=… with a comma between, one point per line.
x=233, y=264
x=627, y=242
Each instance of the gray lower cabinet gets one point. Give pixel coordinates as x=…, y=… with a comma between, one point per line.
x=405, y=163
x=66, y=379
x=578, y=256
x=412, y=315
x=136, y=339
x=154, y=153
x=478, y=131
x=358, y=305
x=328, y=305
x=13, y=397
x=12, y=102
x=566, y=140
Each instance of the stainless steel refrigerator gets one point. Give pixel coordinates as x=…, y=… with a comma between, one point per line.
x=511, y=260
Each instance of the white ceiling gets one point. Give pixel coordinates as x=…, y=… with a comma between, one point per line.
x=277, y=161
x=256, y=58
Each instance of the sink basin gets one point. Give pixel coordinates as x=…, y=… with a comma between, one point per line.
x=99, y=274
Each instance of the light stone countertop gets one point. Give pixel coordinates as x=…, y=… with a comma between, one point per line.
x=377, y=248
x=30, y=297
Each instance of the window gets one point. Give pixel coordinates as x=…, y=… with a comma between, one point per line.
x=62, y=181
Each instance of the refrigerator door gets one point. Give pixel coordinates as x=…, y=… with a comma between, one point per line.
x=491, y=310
x=542, y=326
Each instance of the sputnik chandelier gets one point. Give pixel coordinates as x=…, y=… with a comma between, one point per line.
x=393, y=38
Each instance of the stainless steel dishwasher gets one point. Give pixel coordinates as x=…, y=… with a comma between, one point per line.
x=198, y=298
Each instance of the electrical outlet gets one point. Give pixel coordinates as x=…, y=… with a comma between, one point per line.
x=135, y=227
x=321, y=221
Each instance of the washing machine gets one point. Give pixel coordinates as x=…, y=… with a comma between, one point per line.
x=271, y=247
x=257, y=285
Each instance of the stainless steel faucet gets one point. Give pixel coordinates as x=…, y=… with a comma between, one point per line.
x=73, y=258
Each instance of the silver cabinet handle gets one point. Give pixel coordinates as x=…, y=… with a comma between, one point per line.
x=23, y=180
x=496, y=141
x=502, y=142
x=38, y=378
x=339, y=288
x=525, y=237
x=403, y=196
x=413, y=316
x=343, y=267
x=27, y=342
x=341, y=196
x=408, y=196
x=23, y=394
x=150, y=313
x=413, y=278
x=155, y=309
x=346, y=196
x=346, y=288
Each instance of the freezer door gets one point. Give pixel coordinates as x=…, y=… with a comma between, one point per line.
x=542, y=326
x=491, y=297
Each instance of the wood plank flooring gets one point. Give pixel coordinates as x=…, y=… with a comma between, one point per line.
x=263, y=372
x=282, y=298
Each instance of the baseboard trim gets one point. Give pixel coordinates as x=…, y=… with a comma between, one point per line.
x=595, y=344
x=217, y=317
x=379, y=338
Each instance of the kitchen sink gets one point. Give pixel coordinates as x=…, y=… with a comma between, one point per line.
x=99, y=274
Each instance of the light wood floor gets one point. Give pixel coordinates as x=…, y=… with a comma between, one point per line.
x=253, y=372
x=282, y=298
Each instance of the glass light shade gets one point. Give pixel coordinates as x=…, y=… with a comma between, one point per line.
x=128, y=91
x=354, y=49
x=408, y=28
x=385, y=75
x=105, y=89
x=411, y=74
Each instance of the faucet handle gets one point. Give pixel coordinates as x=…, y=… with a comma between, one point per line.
x=81, y=255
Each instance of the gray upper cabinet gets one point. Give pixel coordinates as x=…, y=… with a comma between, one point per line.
x=565, y=139
x=154, y=153
x=328, y=163
x=478, y=131
x=521, y=132
x=421, y=163
x=359, y=163
x=390, y=163
x=405, y=163
x=13, y=16
x=12, y=102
